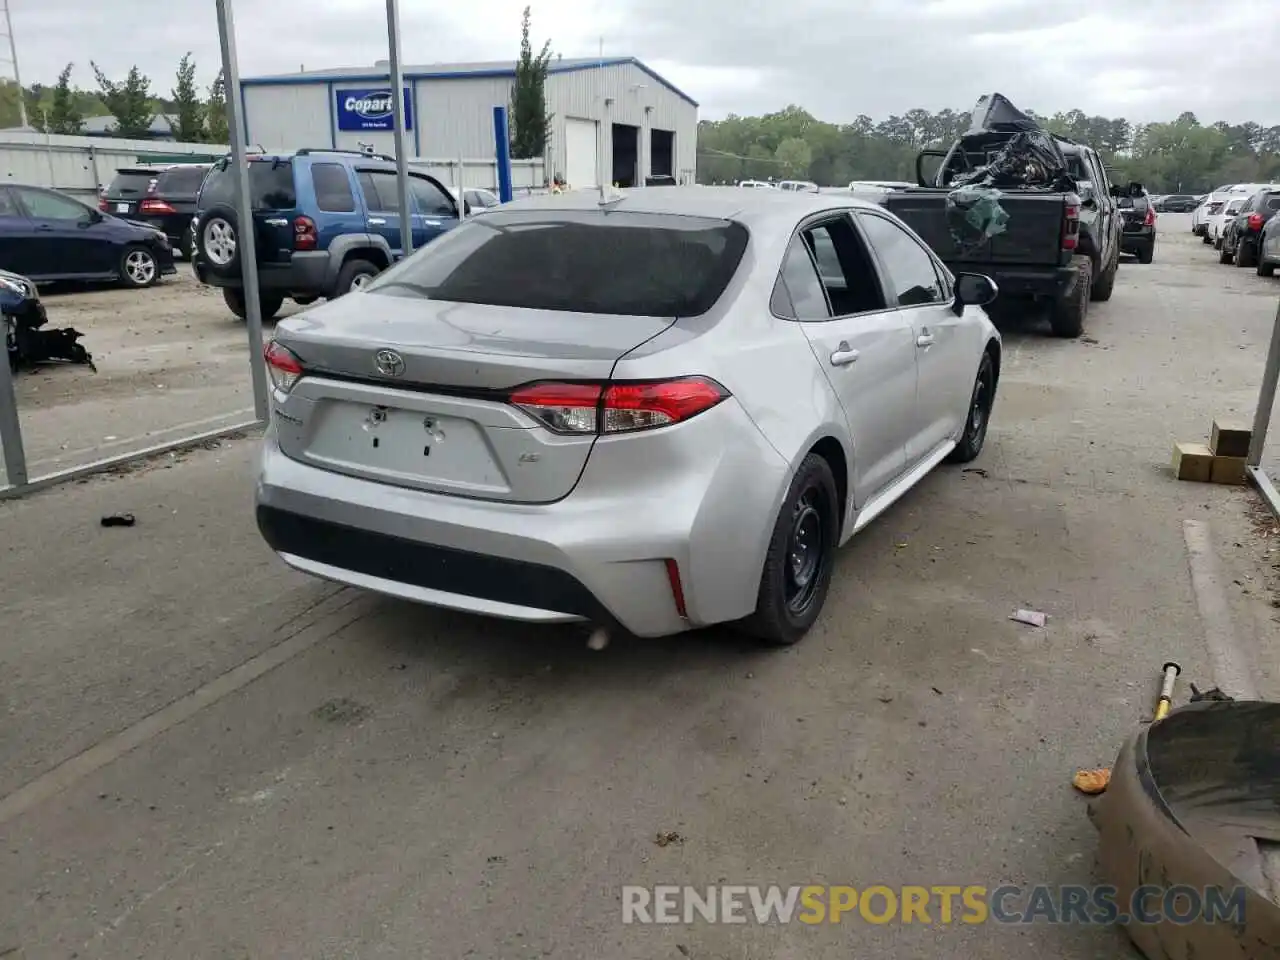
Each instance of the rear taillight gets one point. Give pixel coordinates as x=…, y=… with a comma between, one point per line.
x=155, y=206
x=304, y=234
x=609, y=408
x=1150, y=219
x=1071, y=224
x=103, y=205
x=1255, y=222
x=283, y=365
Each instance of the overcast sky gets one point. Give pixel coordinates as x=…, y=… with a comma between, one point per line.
x=1141, y=59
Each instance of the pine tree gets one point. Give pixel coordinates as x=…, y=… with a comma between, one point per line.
x=530, y=122
x=189, y=126
x=129, y=102
x=65, y=116
x=215, y=111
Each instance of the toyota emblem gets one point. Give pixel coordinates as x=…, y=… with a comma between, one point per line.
x=388, y=363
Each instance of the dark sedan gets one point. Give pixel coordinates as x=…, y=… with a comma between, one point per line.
x=1179, y=203
x=1138, y=236
x=47, y=236
x=164, y=197
x=1242, y=234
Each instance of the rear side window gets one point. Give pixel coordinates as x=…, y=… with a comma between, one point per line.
x=617, y=263
x=431, y=199
x=181, y=181
x=270, y=185
x=333, y=188
x=1271, y=202
x=131, y=183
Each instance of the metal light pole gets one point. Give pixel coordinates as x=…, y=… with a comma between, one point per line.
x=13, y=57
x=397, y=109
x=244, y=212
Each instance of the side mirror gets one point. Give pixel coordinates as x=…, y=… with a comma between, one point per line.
x=974, y=290
x=1116, y=191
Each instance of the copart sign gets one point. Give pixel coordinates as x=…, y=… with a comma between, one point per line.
x=369, y=109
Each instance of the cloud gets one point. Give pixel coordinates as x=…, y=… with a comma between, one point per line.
x=1133, y=58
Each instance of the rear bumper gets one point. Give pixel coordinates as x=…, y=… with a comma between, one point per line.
x=305, y=273
x=599, y=555
x=1019, y=283
x=1131, y=242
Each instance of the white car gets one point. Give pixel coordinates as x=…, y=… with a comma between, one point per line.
x=798, y=186
x=478, y=200
x=756, y=185
x=1215, y=221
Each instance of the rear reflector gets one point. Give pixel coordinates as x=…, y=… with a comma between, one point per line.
x=624, y=407
x=283, y=365
x=677, y=588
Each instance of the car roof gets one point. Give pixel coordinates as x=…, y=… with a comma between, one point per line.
x=720, y=203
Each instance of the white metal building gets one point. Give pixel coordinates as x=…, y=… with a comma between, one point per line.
x=615, y=116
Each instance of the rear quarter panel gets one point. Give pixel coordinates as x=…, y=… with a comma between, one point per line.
x=769, y=367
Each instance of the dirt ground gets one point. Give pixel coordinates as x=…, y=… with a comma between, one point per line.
x=172, y=361
x=207, y=755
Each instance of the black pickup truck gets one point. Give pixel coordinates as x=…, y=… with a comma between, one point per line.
x=1033, y=211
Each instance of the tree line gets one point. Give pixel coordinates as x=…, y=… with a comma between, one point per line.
x=194, y=116
x=1179, y=156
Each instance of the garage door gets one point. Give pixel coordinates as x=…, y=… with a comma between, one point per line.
x=580, y=153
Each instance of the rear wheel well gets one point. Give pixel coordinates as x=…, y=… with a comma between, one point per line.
x=372, y=254
x=829, y=449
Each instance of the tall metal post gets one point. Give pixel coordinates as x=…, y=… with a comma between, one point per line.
x=13, y=57
x=1266, y=396
x=15, y=458
x=244, y=211
x=502, y=150
x=397, y=108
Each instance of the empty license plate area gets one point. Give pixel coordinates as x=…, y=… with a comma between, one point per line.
x=437, y=450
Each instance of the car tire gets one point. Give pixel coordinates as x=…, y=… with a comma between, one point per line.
x=353, y=275
x=801, y=556
x=218, y=241
x=305, y=301
x=1068, y=314
x=270, y=303
x=1204, y=238
x=138, y=267
x=978, y=416
x=1147, y=253
x=1243, y=254
x=1265, y=269
x=1106, y=282
x=1224, y=254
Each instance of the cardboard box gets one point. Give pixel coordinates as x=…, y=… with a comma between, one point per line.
x=1229, y=439
x=1227, y=470
x=1192, y=461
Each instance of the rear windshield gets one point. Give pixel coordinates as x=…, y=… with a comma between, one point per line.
x=181, y=181
x=270, y=184
x=131, y=183
x=610, y=262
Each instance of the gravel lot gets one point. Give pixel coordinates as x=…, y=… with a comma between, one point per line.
x=172, y=360
x=254, y=764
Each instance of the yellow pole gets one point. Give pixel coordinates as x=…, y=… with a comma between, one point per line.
x=1171, y=671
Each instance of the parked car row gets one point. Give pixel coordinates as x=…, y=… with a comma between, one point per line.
x=1249, y=234
x=1209, y=217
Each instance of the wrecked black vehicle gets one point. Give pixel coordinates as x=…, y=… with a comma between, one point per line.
x=1033, y=211
x=26, y=343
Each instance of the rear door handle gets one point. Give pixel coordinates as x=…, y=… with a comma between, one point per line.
x=924, y=340
x=377, y=221
x=843, y=355
x=44, y=228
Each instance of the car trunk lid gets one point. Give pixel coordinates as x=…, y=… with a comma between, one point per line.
x=413, y=392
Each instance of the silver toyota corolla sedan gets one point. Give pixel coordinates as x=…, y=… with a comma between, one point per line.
x=660, y=410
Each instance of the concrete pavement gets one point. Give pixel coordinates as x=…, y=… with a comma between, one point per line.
x=279, y=768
